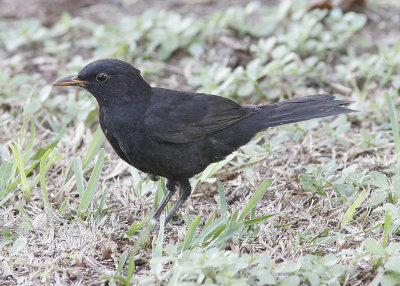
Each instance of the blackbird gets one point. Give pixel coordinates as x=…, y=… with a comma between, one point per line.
x=177, y=134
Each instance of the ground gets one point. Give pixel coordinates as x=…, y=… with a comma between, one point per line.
x=328, y=203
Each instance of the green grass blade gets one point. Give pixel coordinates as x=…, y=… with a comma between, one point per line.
x=63, y=205
x=6, y=198
x=22, y=135
x=350, y=212
x=386, y=230
x=20, y=164
x=28, y=223
x=256, y=197
x=28, y=171
x=285, y=225
x=97, y=141
x=29, y=145
x=217, y=232
x=190, y=233
x=222, y=198
x=158, y=248
x=93, y=150
x=221, y=221
x=122, y=261
x=160, y=193
x=6, y=169
x=39, y=153
x=102, y=202
x=395, y=127
x=79, y=176
x=45, y=195
x=234, y=216
x=386, y=227
x=228, y=234
x=175, y=278
x=92, y=184
x=258, y=219
x=212, y=169
x=144, y=234
x=210, y=220
x=135, y=226
x=187, y=220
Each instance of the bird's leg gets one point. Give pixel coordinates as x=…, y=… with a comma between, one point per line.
x=184, y=192
x=171, y=191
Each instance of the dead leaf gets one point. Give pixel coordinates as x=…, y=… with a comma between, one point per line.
x=342, y=4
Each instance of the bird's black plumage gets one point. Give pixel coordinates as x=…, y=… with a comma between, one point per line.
x=177, y=134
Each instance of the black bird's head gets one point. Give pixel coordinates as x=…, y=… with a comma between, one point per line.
x=108, y=80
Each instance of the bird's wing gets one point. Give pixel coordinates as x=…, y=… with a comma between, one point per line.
x=179, y=117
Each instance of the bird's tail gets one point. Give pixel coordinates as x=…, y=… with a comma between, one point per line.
x=284, y=112
x=300, y=109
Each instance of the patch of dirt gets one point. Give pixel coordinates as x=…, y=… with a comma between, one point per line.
x=49, y=11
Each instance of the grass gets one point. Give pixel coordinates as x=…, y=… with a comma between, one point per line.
x=310, y=203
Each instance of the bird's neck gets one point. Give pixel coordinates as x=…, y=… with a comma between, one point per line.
x=117, y=113
x=134, y=103
x=137, y=93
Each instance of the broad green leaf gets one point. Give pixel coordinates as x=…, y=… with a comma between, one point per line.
x=391, y=279
x=344, y=189
x=18, y=245
x=263, y=275
x=378, y=179
x=393, y=264
x=309, y=184
x=329, y=260
x=374, y=247
x=290, y=281
x=393, y=247
x=287, y=267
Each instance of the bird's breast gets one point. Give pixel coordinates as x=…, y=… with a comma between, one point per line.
x=122, y=130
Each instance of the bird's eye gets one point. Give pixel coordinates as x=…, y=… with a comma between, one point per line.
x=102, y=77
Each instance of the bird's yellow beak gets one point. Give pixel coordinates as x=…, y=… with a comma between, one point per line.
x=71, y=80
